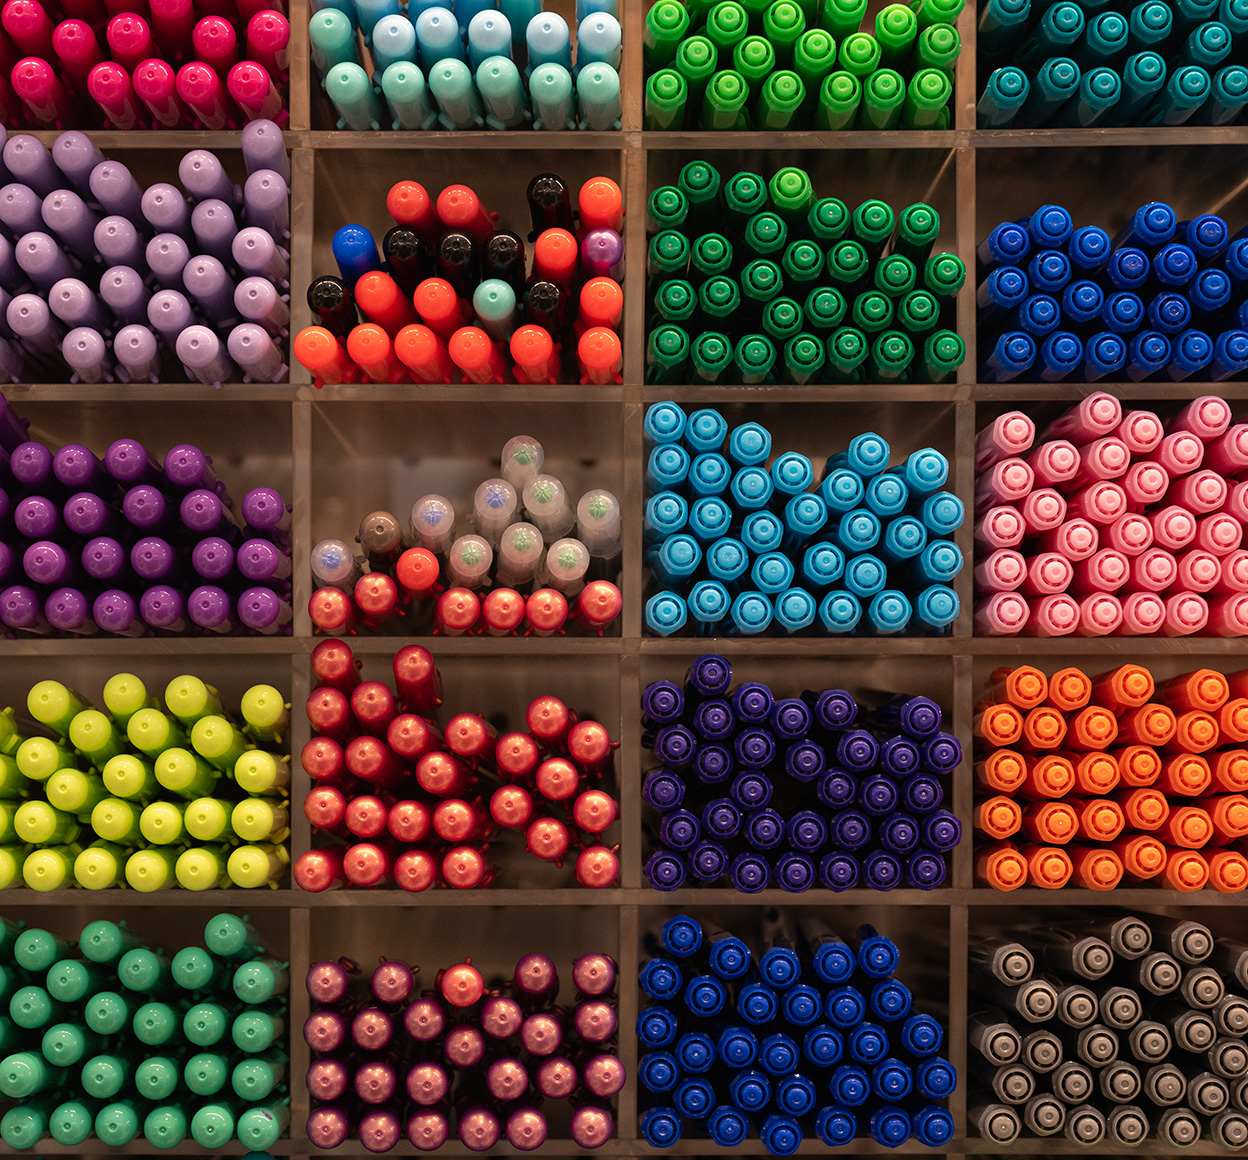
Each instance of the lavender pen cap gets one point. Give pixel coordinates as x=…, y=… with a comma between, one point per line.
x=114, y=187
x=165, y=209
x=257, y=300
x=263, y=562
x=166, y=256
x=87, y=355
x=123, y=292
x=117, y=242
x=203, y=176
x=42, y=259
x=263, y=148
x=213, y=558
x=47, y=563
x=264, y=510
x=20, y=607
x=28, y=159
x=262, y=610
x=210, y=607
x=67, y=216
x=76, y=304
x=31, y=320
x=199, y=351
x=20, y=208
x=137, y=354
x=169, y=313
x=208, y=284
x=86, y=514
x=76, y=155
x=117, y=612
x=256, y=253
x=162, y=607
x=128, y=462
x=266, y=198
x=104, y=558
x=256, y=354
x=214, y=228
x=68, y=610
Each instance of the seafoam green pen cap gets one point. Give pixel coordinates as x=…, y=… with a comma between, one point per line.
x=49, y=868
x=150, y=870
x=258, y=980
x=255, y=1031
x=155, y=1024
x=162, y=822
x=22, y=1074
x=216, y=740
x=262, y=1127
x=103, y=1076
x=201, y=868
x=150, y=731
x=32, y=1007
x=156, y=1078
x=37, y=950
x=206, y=1073
x=165, y=1127
x=71, y=980
x=188, y=699
x=258, y=772
x=92, y=733
x=252, y=1080
x=207, y=819
x=39, y=758
x=143, y=970
x=117, y=1123
x=101, y=866
x=232, y=937
x=54, y=705
x=109, y=1012
x=124, y=695
x=72, y=1122
x=102, y=941
x=24, y=1126
x=206, y=1024
x=115, y=820
x=127, y=776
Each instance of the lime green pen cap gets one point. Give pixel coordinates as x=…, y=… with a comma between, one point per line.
x=667, y=96
x=116, y=820
x=100, y=866
x=839, y=97
x=216, y=740
x=150, y=731
x=13, y=782
x=75, y=792
x=65, y=1044
x=754, y=58
x=72, y=981
x=12, y=862
x=259, y=773
x=882, y=97
x=256, y=1031
x=127, y=776
x=824, y=308
x=185, y=773
x=189, y=699
x=72, y=1122
x=54, y=705
x=943, y=353
x=124, y=695
x=918, y=311
x=253, y=1079
x=782, y=95
x=156, y=1078
x=10, y=738
x=814, y=56
x=201, y=868
x=144, y=971
x=938, y=46
x=944, y=274
x=782, y=318
x=665, y=26
x=848, y=262
x=109, y=1012
x=205, y=1024
x=150, y=870
x=37, y=950
x=207, y=819
x=162, y=822
x=24, y=1126
x=755, y=356
x=50, y=867
x=155, y=1024
x=792, y=193
x=92, y=733
x=253, y=866
x=847, y=349
x=105, y=942
x=165, y=1127
x=232, y=937
x=259, y=980
x=937, y=11
x=257, y=820
x=206, y=1073
x=873, y=222
x=103, y=1076
x=39, y=758
x=926, y=97
x=891, y=354
x=859, y=54
x=195, y=969
x=841, y=17
x=44, y=824
x=117, y=1123
x=726, y=23
x=783, y=23
x=896, y=27
x=802, y=263
x=723, y=103
x=262, y=1127
x=697, y=58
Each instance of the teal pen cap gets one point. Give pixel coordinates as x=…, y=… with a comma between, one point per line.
x=755, y=356
x=212, y=1125
x=165, y=1126
x=1187, y=89
x=803, y=359
x=666, y=97
x=403, y=86
x=840, y=612
x=1230, y=94
x=1056, y=81
x=260, y=980
x=450, y=82
x=942, y=513
x=823, y=564
x=696, y=61
x=1190, y=12
x=667, y=351
x=145, y=971
x=824, y=309
x=1149, y=25
x=256, y=1030
x=761, y=532
x=353, y=96
x=904, y=537
x=502, y=93
x=206, y=1073
x=749, y=445
x=1207, y=46
x=550, y=90
x=72, y=1122
x=664, y=423
x=1104, y=37
x=751, y=613
x=794, y=611
x=117, y=1123
x=727, y=560
x=494, y=304
x=110, y=1012
x=889, y=612
x=1002, y=26
x=598, y=98
x=156, y=1078
x=1099, y=90
x=709, y=602
x=792, y=473
x=666, y=514
x=937, y=606
x=1234, y=14
x=332, y=40
x=804, y=517
x=705, y=430
x=666, y=613
x=711, y=356
x=1059, y=29
x=1004, y=94
x=938, y=563
x=751, y=488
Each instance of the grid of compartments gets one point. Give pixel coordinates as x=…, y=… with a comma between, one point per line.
x=322, y=447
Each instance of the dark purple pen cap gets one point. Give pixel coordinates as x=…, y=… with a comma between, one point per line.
x=328, y=1079
x=664, y=870
x=941, y=831
x=790, y=719
x=804, y=761
x=375, y=1081
x=479, y=1129
x=708, y=861
x=86, y=514
x=8, y=562
x=662, y=789
x=201, y=511
x=942, y=753
x=325, y=1031
x=213, y=558
x=712, y=764
x=68, y=610
x=501, y=1017
x=925, y=870
x=392, y=982
x=372, y=1028
x=806, y=830
x=506, y=1079
x=709, y=676
x=128, y=462
x=328, y=1127
x=838, y=871
x=31, y=463
x=753, y=702
x=662, y=702
x=837, y=788
x=379, y=1130
x=881, y=870
x=722, y=818
x=103, y=558
x=162, y=607
x=851, y=830
x=795, y=872
x=264, y=510
x=899, y=833
x=764, y=829
x=47, y=563
x=878, y=794
x=675, y=746
x=922, y=794
x=833, y=708
x=188, y=467
x=920, y=717
x=20, y=607
x=856, y=749
x=144, y=506
x=37, y=518
x=12, y=428
x=749, y=873
x=679, y=830
x=153, y=558
x=594, y=974
x=328, y=981
x=427, y=1084
x=602, y=253
x=75, y=467
x=899, y=756
x=115, y=611
x=210, y=607
x=713, y=720
x=751, y=789
x=755, y=748
x=527, y=1129
x=260, y=608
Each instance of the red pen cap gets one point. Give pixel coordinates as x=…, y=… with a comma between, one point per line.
x=366, y=816
x=602, y=303
x=600, y=355
x=377, y=597
x=372, y=351
x=325, y=807
x=454, y=820
x=589, y=745
x=598, y=605
x=546, y=611
x=331, y=611
x=502, y=612
x=410, y=205
x=458, y=609
x=373, y=706
x=555, y=257
x=440, y=308
x=415, y=871
x=461, y=986
x=411, y=736
x=1006, y=482
x=335, y=665
x=515, y=756
x=416, y=571
x=470, y=737
x=442, y=775
x=547, y=839
x=477, y=355
x=594, y=811
x=366, y=864
x=329, y=713
x=379, y=297
x=535, y=355
x=601, y=204
x=511, y=806
x=464, y=868
x=319, y=870
x=557, y=779
x=459, y=209
x=424, y=354
x=372, y=760
x=416, y=679
x=323, y=760
x=409, y=821
x=597, y=867
x=1104, y=458
x=324, y=356
x=548, y=719
x=1173, y=527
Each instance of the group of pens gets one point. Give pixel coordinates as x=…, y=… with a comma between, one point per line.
x=1067, y=65
x=739, y=548
x=143, y=64
x=106, y=280
x=1131, y=526
x=1118, y=1030
x=1097, y=779
x=139, y=796
x=113, y=1039
x=758, y=281
x=129, y=546
x=1163, y=298
x=452, y=301
x=773, y=65
x=520, y=539
x=875, y=817
x=468, y=64
x=806, y=1030
x=409, y=795
x=493, y=1063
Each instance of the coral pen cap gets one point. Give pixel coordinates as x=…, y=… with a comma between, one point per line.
x=546, y=611
x=602, y=303
x=410, y=205
x=424, y=353
x=503, y=611
x=318, y=350
x=599, y=604
x=600, y=355
x=459, y=208
x=462, y=985
x=458, y=610
x=555, y=256
x=535, y=353
x=417, y=572
x=331, y=610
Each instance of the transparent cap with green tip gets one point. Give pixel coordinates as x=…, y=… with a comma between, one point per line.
x=522, y=460
x=189, y=699
x=124, y=695
x=165, y=1126
x=259, y=773
x=117, y=1123
x=36, y=950
x=206, y=1073
x=266, y=712
x=71, y=1123
x=127, y=776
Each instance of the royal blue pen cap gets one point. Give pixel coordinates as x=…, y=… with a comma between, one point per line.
x=1206, y=233
x=1235, y=260
x=664, y=423
x=832, y=959
x=722, y=818
x=1151, y=225
x=656, y=1027
x=764, y=829
x=1230, y=355
x=663, y=790
x=772, y=573
x=728, y=956
x=657, y=1071
x=678, y=831
x=665, y=870
x=681, y=936
x=889, y=1125
x=1006, y=245
x=1190, y=352
x=660, y=979
x=780, y=966
x=662, y=703
x=666, y=513
x=840, y=611
x=749, y=873
x=878, y=956
x=886, y=495
x=792, y=473
x=1169, y=313
x=695, y=1052
x=1011, y=356
x=710, y=675
x=1082, y=300
x=661, y=1127
x=667, y=467
x=925, y=870
x=1088, y=248
x=762, y=531
x=705, y=430
x=935, y=1078
x=726, y=1126
x=844, y=1007
x=781, y=1136
x=676, y=560
x=750, y=1090
x=666, y=613
x=867, y=1044
x=355, y=251
x=709, y=474
x=709, y=519
x=709, y=602
x=708, y=861
x=1103, y=354
x=694, y=1098
x=675, y=745
x=1148, y=352
x=756, y=1003
x=737, y=1046
x=1209, y=291
x=1174, y=265
x=849, y=1084
x=1048, y=271
x=1050, y=226
x=705, y=996
x=749, y=444
x=838, y=871
x=823, y=1045
x=794, y=872
x=933, y=1126
x=891, y=1079
x=921, y=1035
x=750, y=488
x=835, y=1126
x=842, y=489
x=713, y=720
x=778, y=1054
x=890, y=1000
x=1061, y=354
x=802, y=1005
x=941, y=831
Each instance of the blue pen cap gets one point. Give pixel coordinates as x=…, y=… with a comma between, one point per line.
x=802, y=1005
x=790, y=718
x=1061, y=353
x=842, y=489
x=794, y=873
x=661, y=1127
x=757, y=1004
x=1128, y=268
x=660, y=978
x=933, y=1126
x=835, y=1126
x=355, y=251
x=1174, y=264
x=889, y=1125
x=1048, y=271
x=709, y=603
x=1006, y=245
x=867, y=454
x=833, y=708
x=867, y=1044
x=851, y=829
x=709, y=519
x=1169, y=313
x=665, y=613
x=878, y=956
x=777, y=1054
x=935, y=1078
x=845, y=1007
x=780, y=1135
x=823, y=1045
x=708, y=861
x=666, y=513
x=705, y=996
x=832, y=959
x=751, y=613
x=667, y=467
x=890, y=1000
x=1210, y=290
x=780, y=966
x=662, y=702
x=1082, y=300
x=823, y=564
x=1151, y=225
x=1189, y=352
x=676, y=560
x=1206, y=233
x=891, y=1079
x=904, y=538
x=925, y=471
x=886, y=495
x=838, y=871
x=664, y=423
x=694, y=1098
x=709, y=474
x=1049, y=226
x=764, y=829
x=1039, y=314
x=737, y=1046
x=705, y=430
x=840, y=611
x=656, y=1027
x=865, y=575
x=710, y=675
x=695, y=1052
x=681, y=936
x=726, y=1126
x=749, y=444
x=665, y=870
x=1005, y=288
x=751, y=488
x=937, y=606
x=795, y=1094
x=762, y=532
x=1088, y=248
x=679, y=830
x=1103, y=354
x=749, y=874
x=728, y=956
x=921, y=1035
x=1230, y=355
x=804, y=516
x=850, y=1085
x=926, y=870
x=792, y=473
x=657, y=1071
x=750, y=1090
x=772, y=573
x=713, y=720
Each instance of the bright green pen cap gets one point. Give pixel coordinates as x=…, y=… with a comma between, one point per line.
x=255, y=820
x=71, y=1123
x=207, y=819
x=872, y=222
x=150, y=870
x=754, y=58
x=189, y=699
x=194, y=969
x=127, y=776
x=22, y=1074
x=667, y=93
x=150, y=731
x=666, y=208
x=839, y=96
x=49, y=868
x=726, y=23
x=792, y=193
x=847, y=349
x=895, y=28
x=258, y=772
x=254, y=866
x=39, y=758
x=255, y=1031
x=54, y=705
x=213, y=1125
x=116, y=820
x=783, y=94
x=882, y=97
x=154, y=1024
x=37, y=950
x=165, y=1127
x=266, y=712
x=926, y=96
x=124, y=695
x=260, y=1128
x=696, y=61
x=206, y=1073
x=859, y=54
x=92, y=733
x=162, y=822
x=105, y=942
x=63, y=1044
x=205, y=1024
x=156, y=1078
x=675, y=301
x=117, y=1123
x=841, y=17
x=724, y=101
x=937, y=11
x=783, y=23
x=217, y=741
x=75, y=792
x=109, y=1012
x=103, y=1076
x=232, y=937
x=100, y=866
x=666, y=24
x=185, y=773
x=711, y=355
x=939, y=46
x=200, y=868
x=143, y=970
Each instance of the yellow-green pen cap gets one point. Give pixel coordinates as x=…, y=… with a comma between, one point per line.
x=257, y=820
x=13, y=782
x=100, y=866
x=116, y=820
x=38, y=758
x=266, y=712
x=201, y=868
x=189, y=699
x=162, y=822
x=44, y=825
x=124, y=695
x=75, y=792
x=54, y=705
x=207, y=819
x=127, y=776
x=253, y=866
x=258, y=772
x=8, y=832
x=150, y=870
x=49, y=868
x=217, y=741
x=151, y=732
x=10, y=738
x=185, y=773
x=94, y=735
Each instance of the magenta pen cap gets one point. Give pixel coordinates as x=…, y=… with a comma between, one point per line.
x=213, y=558
x=203, y=176
x=264, y=510
x=261, y=609
x=255, y=252
x=266, y=196
x=123, y=292
x=86, y=514
x=75, y=466
x=264, y=148
x=138, y=353
x=144, y=506
x=117, y=241
x=152, y=558
x=115, y=611
x=86, y=352
x=20, y=208
x=169, y=314
x=261, y=562
x=161, y=607
x=165, y=209
x=20, y=607
x=209, y=606
x=114, y=187
x=8, y=563
x=76, y=155
x=167, y=255
x=103, y=558
x=201, y=510
x=68, y=610
x=46, y=563
x=127, y=461
x=187, y=466
x=28, y=160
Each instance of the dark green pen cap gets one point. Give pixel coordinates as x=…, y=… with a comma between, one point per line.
x=783, y=23
x=895, y=276
x=761, y=280
x=719, y=297
x=666, y=352
x=918, y=227
x=782, y=318
x=699, y=182
x=802, y=262
x=839, y=97
x=814, y=56
x=872, y=311
x=711, y=356
x=943, y=353
x=944, y=274
x=783, y=94
x=848, y=262
x=744, y=196
x=755, y=356
x=668, y=254
x=872, y=222
x=675, y=301
x=667, y=97
x=859, y=54
x=712, y=254
x=765, y=234
x=723, y=104
x=726, y=24
x=883, y=94
x=847, y=350
x=828, y=219
x=825, y=307
x=803, y=359
x=792, y=193
x=754, y=58
x=891, y=354
x=918, y=311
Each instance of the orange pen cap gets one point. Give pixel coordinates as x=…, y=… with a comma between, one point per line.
x=1024, y=687
x=600, y=355
x=331, y=611
x=1187, y=826
x=998, y=817
x=1145, y=809
x=416, y=570
x=379, y=297
x=424, y=354
x=997, y=725
x=1100, y=820
x=1237, y=683
x=1001, y=866
x=1203, y=689
x=324, y=356
x=1069, y=689
x=1092, y=728
x=1003, y=771
x=1095, y=773
x=1138, y=764
x=1194, y=732
x=1096, y=868
x=459, y=208
x=1051, y=823
x=457, y=611
x=409, y=203
x=1233, y=721
x=474, y=352
x=440, y=308
x=1044, y=728
x=601, y=204
x=602, y=304
x=1142, y=855
x=1228, y=871
x=1049, y=776
x=1230, y=770
x=370, y=347
x=536, y=355
x=1151, y=724
x=1229, y=814
x=1049, y=867
x=554, y=256
x=1126, y=687
x=1185, y=775
x=1186, y=870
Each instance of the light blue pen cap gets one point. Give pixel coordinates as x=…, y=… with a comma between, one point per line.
x=705, y=430
x=667, y=467
x=823, y=564
x=751, y=488
x=437, y=33
x=840, y=612
x=709, y=474
x=332, y=40
x=677, y=559
x=761, y=532
x=709, y=602
x=867, y=454
x=349, y=88
x=727, y=560
x=751, y=613
x=904, y=537
x=925, y=471
x=792, y=473
x=549, y=40
x=772, y=573
x=937, y=605
x=403, y=86
x=795, y=610
x=598, y=98
x=865, y=575
x=709, y=519
x=598, y=39
x=550, y=90
x=368, y=12
x=886, y=495
x=749, y=444
x=858, y=531
x=666, y=513
x=394, y=39
x=502, y=93
x=664, y=423
x=489, y=34
x=940, y=561
x=805, y=515
x=842, y=489
x=665, y=613
x=889, y=611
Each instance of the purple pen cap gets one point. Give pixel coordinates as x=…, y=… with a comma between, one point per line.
x=42, y=260
x=602, y=254
x=263, y=562
x=186, y=466
x=203, y=176
x=8, y=563
x=123, y=292
x=137, y=354
x=152, y=558
x=103, y=558
x=263, y=148
x=114, y=187
x=166, y=256
x=28, y=160
x=214, y=228
x=128, y=462
x=162, y=607
x=210, y=608
x=255, y=353
x=117, y=242
x=199, y=351
x=76, y=467
x=262, y=610
x=207, y=283
x=37, y=518
x=11, y=276
x=201, y=511
x=76, y=155
x=165, y=209
x=169, y=313
x=30, y=319
x=12, y=427
x=20, y=209
x=257, y=300
x=86, y=514
x=47, y=563
x=213, y=558
x=12, y=359
x=266, y=198
x=256, y=253
x=67, y=216
x=20, y=607
x=264, y=510
x=115, y=611
x=87, y=355
x=68, y=610
x=31, y=464
x=145, y=506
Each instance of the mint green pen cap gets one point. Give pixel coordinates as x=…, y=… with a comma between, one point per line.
x=675, y=301
x=124, y=695
x=944, y=274
x=54, y=705
x=117, y=1123
x=32, y=1007
x=765, y=234
x=332, y=40
x=842, y=17
x=918, y=311
x=206, y=1024
x=754, y=58
x=150, y=731
x=188, y=699
x=206, y=1073
x=156, y=1078
x=502, y=93
x=597, y=98
x=824, y=308
x=75, y=792
x=151, y=870
x=104, y=1075
x=13, y=782
x=262, y=1127
x=943, y=353
x=783, y=94
x=165, y=1127
x=94, y=736
x=792, y=193
x=65, y=1044
x=256, y=1031
x=726, y=24
x=847, y=350
x=926, y=97
x=665, y=27
x=354, y=98
x=403, y=85
x=848, y=262
x=254, y=1079
x=162, y=822
x=667, y=95
x=130, y=777
x=262, y=774
x=891, y=355
x=883, y=94
x=938, y=46
x=859, y=54
x=115, y=820
x=24, y=1073
x=109, y=1012
x=207, y=819
x=667, y=350
x=782, y=318
x=755, y=356
x=260, y=980
x=39, y=758
x=895, y=276
x=232, y=937
x=216, y=740
x=24, y=1126
x=144, y=971
x=155, y=1024
x=37, y=950
x=72, y=1122
x=194, y=969
x=839, y=97
x=72, y=981
x=719, y=298
x=803, y=359
x=100, y=866
x=802, y=264
x=723, y=104
x=828, y=219
x=50, y=868
x=711, y=356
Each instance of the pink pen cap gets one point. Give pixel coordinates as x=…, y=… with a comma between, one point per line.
x=110, y=87
x=1054, y=463
x=1236, y=504
x=1186, y=613
x=173, y=23
x=215, y=43
x=1042, y=511
x=1047, y=573
x=1007, y=436
x=1207, y=418
x=1180, y=453
x=1129, y=534
x=130, y=40
x=268, y=41
x=206, y=97
x=1002, y=614
x=40, y=91
x=1142, y=614
x=1228, y=615
x=1173, y=527
x=1198, y=570
x=1101, y=502
x=1100, y=613
x=1000, y=527
x=1154, y=570
x=1104, y=458
x=1075, y=539
x=248, y=8
x=77, y=50
x=155, y=84
x=1141, y=431
x=1201, y=492
x=1096, y=415
x=29, y=27
x=1056, y=615
x=1002, y=571
x=1228, y=453
x=1219, y=533
x=1006, y=482
x=1145, y=483
x=1104, y=571
x=1234, y=576
x=253, y=91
